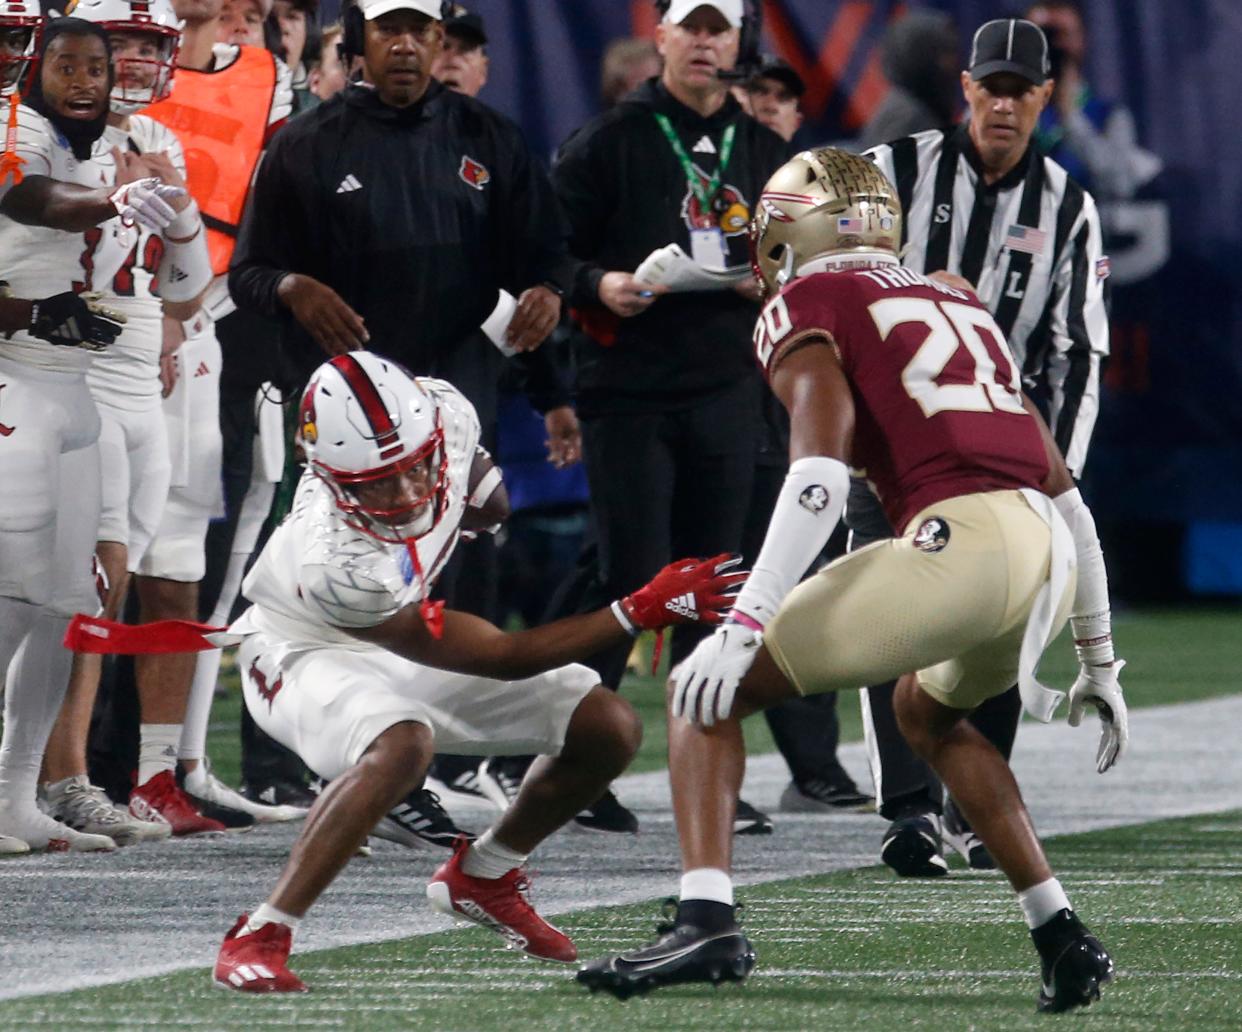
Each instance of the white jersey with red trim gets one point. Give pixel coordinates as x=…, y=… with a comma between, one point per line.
x=128, y=373
x=318, y=575
x=38, y=262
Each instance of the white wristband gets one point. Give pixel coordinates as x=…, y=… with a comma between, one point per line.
x=185, y=225
x=623, y=619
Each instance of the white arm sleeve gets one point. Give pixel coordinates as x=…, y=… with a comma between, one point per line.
x=807, y=511
x=1090, y=618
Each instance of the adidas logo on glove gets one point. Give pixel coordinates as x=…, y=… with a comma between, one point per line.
x=682, y=605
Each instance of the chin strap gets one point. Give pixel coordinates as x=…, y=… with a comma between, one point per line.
x=10, y=162
x=431, y=612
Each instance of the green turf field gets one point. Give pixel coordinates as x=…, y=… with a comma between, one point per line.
x=846, y=951
x=850, y=950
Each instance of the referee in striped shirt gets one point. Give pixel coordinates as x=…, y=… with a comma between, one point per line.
x=986, y=210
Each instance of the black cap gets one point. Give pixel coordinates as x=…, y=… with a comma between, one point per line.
x=466, y=25
x=783, y=72
x=1010, y=45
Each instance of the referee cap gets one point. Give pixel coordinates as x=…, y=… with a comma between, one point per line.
x=372, y=9
x=679, y=10
x=1010, y=45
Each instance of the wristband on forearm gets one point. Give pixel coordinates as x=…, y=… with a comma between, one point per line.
x=623, y=618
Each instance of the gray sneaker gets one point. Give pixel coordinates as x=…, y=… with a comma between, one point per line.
x=87, y=808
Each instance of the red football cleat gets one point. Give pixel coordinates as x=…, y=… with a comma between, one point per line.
x=255, y=962
x=161, y=800
x=499, y=904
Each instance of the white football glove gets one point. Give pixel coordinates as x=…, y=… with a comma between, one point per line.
x=145, y=201
x=1100, y=687
x=708, y=678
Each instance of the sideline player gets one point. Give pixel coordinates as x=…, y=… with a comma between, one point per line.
x=164, y=275
x=910, y=381
x=49, y=460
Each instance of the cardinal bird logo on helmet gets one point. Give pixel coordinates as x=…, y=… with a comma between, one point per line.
x=310, y=432
x=473, y=173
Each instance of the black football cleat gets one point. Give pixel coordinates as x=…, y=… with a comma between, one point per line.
x=912, y=847
x=1073, y=964
x=961, y=836
x=684, y=953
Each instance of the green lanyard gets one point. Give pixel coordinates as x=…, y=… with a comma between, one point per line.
x=705, y=194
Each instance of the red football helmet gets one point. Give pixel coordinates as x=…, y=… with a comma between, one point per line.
x=363, y=421
x=20, y=21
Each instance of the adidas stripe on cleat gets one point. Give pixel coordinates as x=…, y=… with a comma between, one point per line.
x=499, y=904
x=255, y=962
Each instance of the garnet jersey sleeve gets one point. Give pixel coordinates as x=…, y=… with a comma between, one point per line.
x=937, y=399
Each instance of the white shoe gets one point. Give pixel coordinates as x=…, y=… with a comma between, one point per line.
x=87, y=808
x=201, y=783
x=41, y=832
x=10, y=846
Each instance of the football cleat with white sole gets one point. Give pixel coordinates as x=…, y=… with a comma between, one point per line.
x=500, y=904
x=256, y=962
x=961, y=836
x=500, y=779
x=1073, y=964
x=684, y=953
x=202, y=785
x=419, y=821
x=161, y=799
x=819, y=795
x=912, y=847
x=10, y=846
x=87, y=808
x=41, y=832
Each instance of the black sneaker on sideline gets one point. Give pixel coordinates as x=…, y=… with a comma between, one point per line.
x=608, y=815
x=749, y=821
x=683, y=953
x=912, y=847
x=961, y=836
x=819, y=795
x=419, y=820
x=1073, y=964
x=281, y=792
x=500, y=778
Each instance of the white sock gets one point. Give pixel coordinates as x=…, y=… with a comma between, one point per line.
x=1041, y=902
x=487, y=858
x=193, y=745
x=270, y=915
x=709, y=883
x=38, y=678
x=157, y=749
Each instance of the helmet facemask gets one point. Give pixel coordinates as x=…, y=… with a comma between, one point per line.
x=18, y=46
x=142, y=80
x=373, y=501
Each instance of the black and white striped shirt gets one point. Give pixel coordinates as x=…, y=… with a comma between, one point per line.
x=1031, y=245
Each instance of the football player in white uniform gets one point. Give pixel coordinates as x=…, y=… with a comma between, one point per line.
x=347, y=662
x=60, y=175
x=164, y=274
x=168, y=575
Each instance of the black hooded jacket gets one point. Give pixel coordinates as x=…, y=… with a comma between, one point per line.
x=626, y=195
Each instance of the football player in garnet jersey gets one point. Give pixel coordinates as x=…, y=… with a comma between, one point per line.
x=910, y=381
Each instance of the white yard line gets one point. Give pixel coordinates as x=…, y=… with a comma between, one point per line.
x=80, y=920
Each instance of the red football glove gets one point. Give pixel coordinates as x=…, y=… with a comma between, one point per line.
x=687, y=591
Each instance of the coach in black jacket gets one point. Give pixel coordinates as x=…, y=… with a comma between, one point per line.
x=394, y=212
x=668, y=391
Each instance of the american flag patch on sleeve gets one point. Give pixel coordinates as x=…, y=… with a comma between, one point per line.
x=1103, y=268
x=1025, y=238
x=849, y=225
